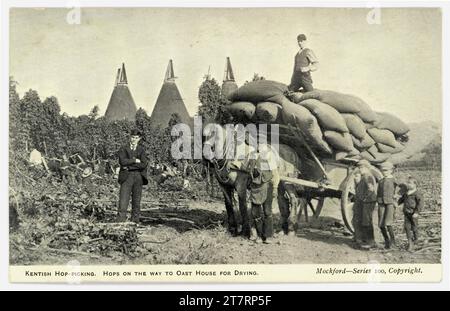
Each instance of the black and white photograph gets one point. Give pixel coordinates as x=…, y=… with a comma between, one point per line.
x=245, y=137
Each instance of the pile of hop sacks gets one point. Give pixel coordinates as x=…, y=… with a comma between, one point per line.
x=333, y=124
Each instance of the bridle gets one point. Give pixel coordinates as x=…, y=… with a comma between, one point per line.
x=221, y=164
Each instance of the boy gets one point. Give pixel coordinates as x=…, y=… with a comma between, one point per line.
x=386, y=207
x=412, y=205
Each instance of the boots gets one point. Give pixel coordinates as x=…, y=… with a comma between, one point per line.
x=415, y=235
x=285, y=226
x=391, y=236
x=410, y=245
x=387, y=242
x=410, y=237
x=369, y=238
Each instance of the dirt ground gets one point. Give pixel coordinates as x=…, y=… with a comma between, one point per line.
x=323, y=241
x=197, y=236
x=184, y=230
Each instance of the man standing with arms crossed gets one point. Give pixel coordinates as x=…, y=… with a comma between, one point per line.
x=132, y=176
x=305, y=62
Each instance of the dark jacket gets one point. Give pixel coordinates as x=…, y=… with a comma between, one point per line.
x=260, y=179
x=412, y=203
x=304, y=59
x=366, y=190
x=386, y=191
x=127, y=161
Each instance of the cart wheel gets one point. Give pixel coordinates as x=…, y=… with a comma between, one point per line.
x=347, y=200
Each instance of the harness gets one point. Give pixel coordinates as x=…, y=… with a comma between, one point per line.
x=222, y=172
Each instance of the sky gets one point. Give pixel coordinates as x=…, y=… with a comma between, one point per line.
x=394, y=66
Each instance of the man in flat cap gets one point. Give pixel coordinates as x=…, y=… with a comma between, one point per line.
x=132, y=176
x=366, y=195
x=305, y=62
x=386, y=204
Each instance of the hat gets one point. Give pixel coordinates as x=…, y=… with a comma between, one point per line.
x=363, y=163
x=86, y=172
x=386, y=166
x=301, y=37
x=135, y=132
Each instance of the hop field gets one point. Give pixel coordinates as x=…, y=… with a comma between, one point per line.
x=429, y=183
x=57, y=223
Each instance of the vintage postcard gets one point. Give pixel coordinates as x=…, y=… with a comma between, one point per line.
x=151, y=144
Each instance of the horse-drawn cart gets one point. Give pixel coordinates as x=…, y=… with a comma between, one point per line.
x=322, y=178
x=339, y=184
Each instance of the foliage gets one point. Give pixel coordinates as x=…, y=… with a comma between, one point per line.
x=429, y=183
x=431, y=157
x=433, y=154
x=41, y=125
x=157, y=141
x=257, y=77
x=59, y=216
x=212, y=102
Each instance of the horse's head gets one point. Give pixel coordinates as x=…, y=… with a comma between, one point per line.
x=214, y=142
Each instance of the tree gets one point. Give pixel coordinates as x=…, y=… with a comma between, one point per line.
x=44, y=127
x=94, y=112
x=150, y=135
x=30, y=112
x=17, y=133
x=212, y=101
x=433, y=154
x=257, y=77
x=143, y=122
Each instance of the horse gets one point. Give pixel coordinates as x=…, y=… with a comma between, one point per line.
x=234, y=177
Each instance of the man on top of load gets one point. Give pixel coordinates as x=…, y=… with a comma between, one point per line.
x=305, y=62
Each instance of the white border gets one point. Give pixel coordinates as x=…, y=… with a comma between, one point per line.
x=4, y=242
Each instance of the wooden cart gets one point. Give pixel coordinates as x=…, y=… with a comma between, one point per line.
x=322, y=178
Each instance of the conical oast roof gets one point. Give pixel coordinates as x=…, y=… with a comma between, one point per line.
x=229, y=85
x=170, y=75
x=169, y=101
x=229, y=75
x=121, y=104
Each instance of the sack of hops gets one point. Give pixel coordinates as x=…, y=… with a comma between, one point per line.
x=242, y=110
x=369, y=125
x=268, y=112
x=388, y=149
x=390, y=122
x=229, y=87
x=295, y=97
x=343, y=103
x=367, y=114
x=385, y=137
x=329, y=118
x=300, y=117
x=258, y=91
x=344, y=154
x=364, y=143
x=378, y=158
x=355, y=125
x=339, y=141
